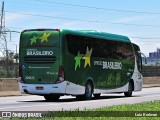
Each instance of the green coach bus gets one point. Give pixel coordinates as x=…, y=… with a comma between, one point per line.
x=54, y=62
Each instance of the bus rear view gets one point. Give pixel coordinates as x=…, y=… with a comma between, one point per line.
x=40, y=68
x=80, y=63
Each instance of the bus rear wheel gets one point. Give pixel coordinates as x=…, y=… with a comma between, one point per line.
x=130, y=89
x=79, y=97
x=51, y=98
x=96, y=96
x=88, y=91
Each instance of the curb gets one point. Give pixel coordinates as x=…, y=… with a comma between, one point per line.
x=11, y=93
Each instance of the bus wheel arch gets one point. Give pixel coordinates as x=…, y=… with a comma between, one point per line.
x=130, y=88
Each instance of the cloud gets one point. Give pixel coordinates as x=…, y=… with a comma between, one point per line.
x=69, y=24
x=11, y=18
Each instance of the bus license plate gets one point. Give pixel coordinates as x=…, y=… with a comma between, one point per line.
x=39, y=88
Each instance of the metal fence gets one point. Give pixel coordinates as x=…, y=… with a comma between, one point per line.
x=151, y=71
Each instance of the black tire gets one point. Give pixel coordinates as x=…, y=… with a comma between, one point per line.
x=96, y=96
x=51, y=98
x=130, y=90
x=80, y=97
x=88, y=91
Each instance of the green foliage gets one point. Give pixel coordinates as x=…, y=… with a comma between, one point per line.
x=16, y=56
x=146, y=106
x=12, y=67
x=2, y=73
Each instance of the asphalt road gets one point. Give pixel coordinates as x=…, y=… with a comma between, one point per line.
x=38, y=103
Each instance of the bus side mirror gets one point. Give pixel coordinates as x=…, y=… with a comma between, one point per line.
x=145, y=58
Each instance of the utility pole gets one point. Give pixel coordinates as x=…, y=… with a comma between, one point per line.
x=16, y=56
x=3, y=36
x=2, y=15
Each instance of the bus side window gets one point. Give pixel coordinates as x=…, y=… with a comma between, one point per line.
x=77, y=44
x=124, y=51
x=71, y=44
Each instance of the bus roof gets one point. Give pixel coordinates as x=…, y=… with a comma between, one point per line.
x=95, y=34
x=88, y=33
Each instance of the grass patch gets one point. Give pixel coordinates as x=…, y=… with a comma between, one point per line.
x=117, y=112
x=145, y=106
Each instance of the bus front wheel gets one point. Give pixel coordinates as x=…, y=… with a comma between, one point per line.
x=51, y=98
x=130, y=89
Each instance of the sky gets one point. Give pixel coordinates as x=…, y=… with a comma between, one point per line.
x=137, y=19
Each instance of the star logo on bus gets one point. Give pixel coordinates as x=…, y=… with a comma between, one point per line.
x=45, y=37
x=78, y=60
x=34, y=39
x=87, y=57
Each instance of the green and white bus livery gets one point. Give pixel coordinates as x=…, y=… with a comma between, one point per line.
x=54, y=62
